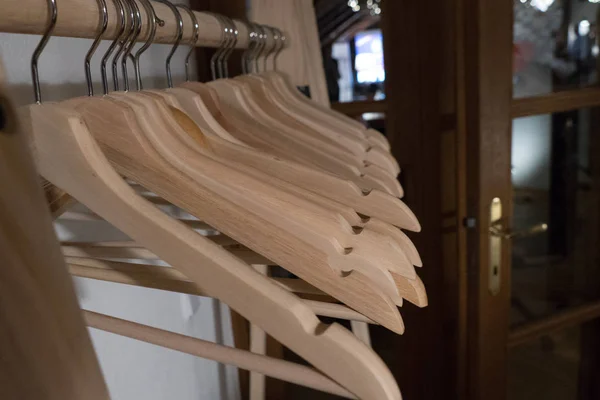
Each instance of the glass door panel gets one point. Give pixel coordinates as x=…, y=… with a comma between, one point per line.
x=554, y=184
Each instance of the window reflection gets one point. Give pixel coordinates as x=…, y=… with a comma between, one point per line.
x=555, y=45
x=355, y=68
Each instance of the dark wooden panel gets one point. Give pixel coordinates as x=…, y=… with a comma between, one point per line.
x=486, y=33
x=356, y=108
x=412, y=34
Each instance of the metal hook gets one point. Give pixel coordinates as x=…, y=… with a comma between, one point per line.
x=260, y=46
x=40, y=47
x=113, y=45
x=153, y=20
x=282, y=40
x=266, y=50
x=273, y=48
x=177, y=39
x=125, y=51
x=229, y=50
x=215, y=61
x=252, y=36
x=221, y=48
x=92, y=50
x=123, y=41
x=193, y=41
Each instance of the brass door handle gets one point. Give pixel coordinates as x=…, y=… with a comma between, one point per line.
x=497, y=231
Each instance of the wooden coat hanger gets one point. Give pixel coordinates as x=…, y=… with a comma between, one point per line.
x=69, y=157
x=323, y=231
x=262, y=88
x=379, y=234
x=231, y=92
x=355, y=220
x=254, y=86
x=374, y=244
x=324, y=114
x=249, y=131
x=114, y=131
x=62, y=145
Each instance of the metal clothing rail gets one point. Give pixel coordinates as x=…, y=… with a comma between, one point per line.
x=81, y=19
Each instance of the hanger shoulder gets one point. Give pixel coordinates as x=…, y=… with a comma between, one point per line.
x=194, y=106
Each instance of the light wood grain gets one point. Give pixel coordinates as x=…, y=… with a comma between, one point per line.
x=372, y=203
x=320, y=227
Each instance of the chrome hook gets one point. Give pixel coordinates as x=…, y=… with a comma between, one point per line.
x=282, y=40
x=153, y=20
x=229, y=50
x=224, y=41
x=125, y=50
x=193, y=41
x=130, y=28
x=39, y=48
x=275, y=45
x=177, y=39
x=119, y=5
x=96, y=42
x=252, y=38
x=260, y=47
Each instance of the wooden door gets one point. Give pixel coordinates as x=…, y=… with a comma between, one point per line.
x=529, y=113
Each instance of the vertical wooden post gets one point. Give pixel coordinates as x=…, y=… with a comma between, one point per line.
x=413, y=45
x=45, y=349
x=488, y=48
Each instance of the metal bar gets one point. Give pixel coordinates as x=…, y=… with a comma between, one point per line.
x=79, y=18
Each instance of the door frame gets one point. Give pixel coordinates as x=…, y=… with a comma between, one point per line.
x=485, y=111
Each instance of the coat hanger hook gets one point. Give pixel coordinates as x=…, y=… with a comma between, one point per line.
x=121, y=8
x=259, y=48
x=153, y=20
x=95, y=43
x=234, y=36
x=276, y=44
x=263, y=45
x=193, y=41
x=282, y=40
x=123, y=40
x=269, y=49
x=40, y=47
x=177, y=39
x=125, y=50
x=224, y=41
x=252, y=35
x=227, y=45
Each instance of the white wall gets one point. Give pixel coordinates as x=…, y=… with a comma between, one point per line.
x=133, y=370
